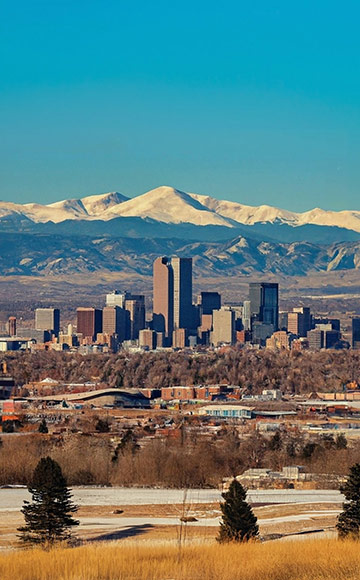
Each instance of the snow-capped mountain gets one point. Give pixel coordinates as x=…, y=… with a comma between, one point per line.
x=172, y=206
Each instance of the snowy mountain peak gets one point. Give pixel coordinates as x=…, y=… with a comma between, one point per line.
x=95, y=204
x=169, y=205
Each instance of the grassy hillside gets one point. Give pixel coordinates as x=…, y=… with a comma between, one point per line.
x=300, y=560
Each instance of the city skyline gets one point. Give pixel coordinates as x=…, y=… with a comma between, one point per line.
x=179, y=320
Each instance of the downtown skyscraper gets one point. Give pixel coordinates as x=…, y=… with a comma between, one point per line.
x=172, y=301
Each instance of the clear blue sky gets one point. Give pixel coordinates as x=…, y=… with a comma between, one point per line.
x=255, y=101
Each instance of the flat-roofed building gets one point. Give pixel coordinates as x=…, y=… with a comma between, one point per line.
x=48, y=319
x=89, y=323
x=264, y=303
x=227, y=411
x=183, y=310
x=135, y=306
x=163, y=298
x=209, y=301
x=115, y=322
x=147, y=338
x=223, y=326
x=12, y=326
x=355, y=335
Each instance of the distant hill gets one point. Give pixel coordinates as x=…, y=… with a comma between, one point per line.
x=44, y=254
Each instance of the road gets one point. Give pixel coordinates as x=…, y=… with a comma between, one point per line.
x=12, y=499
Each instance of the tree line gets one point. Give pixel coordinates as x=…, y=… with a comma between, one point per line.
x=191, y=460
x=253, y=370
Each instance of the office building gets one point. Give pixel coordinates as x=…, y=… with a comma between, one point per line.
x=147, y=339
x=116, y=320
x=183, y=311
x=163, y=298
x=330, y=323
x=223, y=326
x=180, y=338
x=264, y=303
x=116, y=298
x=48, y=319
x=135, y=306
x=315, y=339
x=280, y=340
x=12, y=326
x=332, y=337
x=89, y=323
x=304, y=321
x=208, y=301
x=260, y=332
x=355, y=335
x=246, y=315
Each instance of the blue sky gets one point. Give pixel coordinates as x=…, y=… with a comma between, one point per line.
x=257, y=102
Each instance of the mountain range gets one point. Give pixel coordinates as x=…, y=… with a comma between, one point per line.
x=172, y=206
x=112, y=232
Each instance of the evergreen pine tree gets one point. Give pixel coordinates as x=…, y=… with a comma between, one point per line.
x=348, y=523
x=48, y=517
x=43, y=428
x=239, y=524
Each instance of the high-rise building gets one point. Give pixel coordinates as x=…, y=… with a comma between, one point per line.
x=303, y=320
x=180, y=338
x=12, y=326
x=163, y=299
x=246, y=315
x=223, y=326
x=209, y=301
x=315, y=339
x=332, y=337
x=147, y=338
x=115, y=322
x=172, y=306
x=264, y=303
x=117, y=298
x=355, y=337
x=89, y=322
x=293, y=320
x=48, y=319
x=183, y=311
x=135, y=306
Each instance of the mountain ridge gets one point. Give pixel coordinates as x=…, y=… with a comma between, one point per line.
x=169, y=205
x=51, y=255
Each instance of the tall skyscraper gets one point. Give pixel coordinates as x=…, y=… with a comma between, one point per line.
x=246, y=315
x=209, y=301
x=355, y=324
x=172, y=306
x=48, y=319
x=135, y=306
x=163, y=298
x=183, y=311
x=89, y=322
x=264, y=303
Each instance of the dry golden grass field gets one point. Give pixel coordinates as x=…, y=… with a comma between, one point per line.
x=292, y=560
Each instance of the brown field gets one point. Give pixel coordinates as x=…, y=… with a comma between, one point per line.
x=104, y=522
x=306, y=560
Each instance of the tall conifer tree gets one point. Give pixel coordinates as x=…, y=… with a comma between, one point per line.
x=348, y=523
x=48, y=517
x=239, y=523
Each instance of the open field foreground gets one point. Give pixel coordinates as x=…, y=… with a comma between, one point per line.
x=314, y=559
